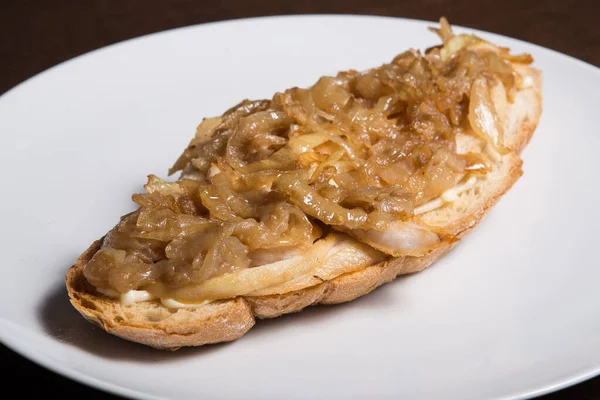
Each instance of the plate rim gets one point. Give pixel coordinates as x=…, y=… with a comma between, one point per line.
x=20, y=347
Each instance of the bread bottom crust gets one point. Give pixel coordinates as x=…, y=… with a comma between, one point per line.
x=152, y=324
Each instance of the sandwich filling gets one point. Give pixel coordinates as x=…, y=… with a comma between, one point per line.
x=316, y=182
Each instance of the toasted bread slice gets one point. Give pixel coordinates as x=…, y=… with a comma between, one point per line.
x=155, y=325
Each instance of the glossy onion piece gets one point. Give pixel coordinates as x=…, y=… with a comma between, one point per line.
x=285, y=158
x=444, y=31
x=227, y=254
x=328, y=95
x=210, y=140
x=249, y=280
x=317, y=206
x=225, y=203
x=251, y=128
x=347, y=255
x=483, y=117
x=113, y=268
x=203, y=134
x=400, y=239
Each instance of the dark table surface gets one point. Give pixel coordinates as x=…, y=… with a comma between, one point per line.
x=35, y=35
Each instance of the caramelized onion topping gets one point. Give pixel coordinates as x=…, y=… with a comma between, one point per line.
x=357, y=152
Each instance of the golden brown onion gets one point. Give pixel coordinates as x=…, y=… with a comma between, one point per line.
x=482, y=115
x=315, y=205
x=329, y=95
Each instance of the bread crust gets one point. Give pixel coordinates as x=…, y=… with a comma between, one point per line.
x=226, y=320
x=152, y=324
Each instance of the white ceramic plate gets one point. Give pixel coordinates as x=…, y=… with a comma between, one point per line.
x=513, y=311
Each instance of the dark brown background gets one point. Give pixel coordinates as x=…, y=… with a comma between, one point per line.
x=35, y=35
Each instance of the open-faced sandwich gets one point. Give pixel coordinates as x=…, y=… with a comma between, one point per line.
x=317, y=196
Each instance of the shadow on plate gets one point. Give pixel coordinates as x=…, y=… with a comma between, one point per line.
x=62, y=322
